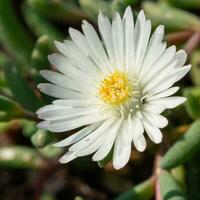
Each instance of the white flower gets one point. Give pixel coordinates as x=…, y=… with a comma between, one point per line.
x=116, y=89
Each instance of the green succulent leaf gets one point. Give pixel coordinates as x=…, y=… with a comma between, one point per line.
x=10, y=109
x=47, y=196
x=195, y=70
x=178, y=174
x=12, y=34
x=170, y=189
x=92, y=9
x=41, y=138
x=191, y=4
x=20, y=157
x=39, y=24
x=193, y=178
x=28, y=128
x=43, y=47
x=21, y=91
x=193, y=101
x=60, y=10
x=8, y=105
x=142, y=191
x=184, y=148
x=161, y=13
x=49, y=151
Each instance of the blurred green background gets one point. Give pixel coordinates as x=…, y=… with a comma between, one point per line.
x=29, y=167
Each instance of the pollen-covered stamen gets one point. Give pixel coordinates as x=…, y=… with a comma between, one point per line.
x=116, y=88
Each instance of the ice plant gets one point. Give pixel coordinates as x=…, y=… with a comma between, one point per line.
x=114, y=89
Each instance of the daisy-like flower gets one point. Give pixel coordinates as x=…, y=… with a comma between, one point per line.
x=114, y=88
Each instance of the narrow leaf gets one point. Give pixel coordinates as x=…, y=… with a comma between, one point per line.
x=12, y=34
x=142, y=191
x=39, y=24
x=184, y=148
x=195, y=70
x=170, y=190
x=172, y=18
x=41, y=138
x=20, y=157
x=192, y=104
x=22, y=92
x=60, y=10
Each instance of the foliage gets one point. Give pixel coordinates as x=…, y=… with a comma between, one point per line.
x=28, y=29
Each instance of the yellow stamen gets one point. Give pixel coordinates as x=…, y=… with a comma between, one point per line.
x=115, y=89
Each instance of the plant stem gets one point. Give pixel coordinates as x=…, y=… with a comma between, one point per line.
x=157, y=171
x=178, y=37
x=192, y=42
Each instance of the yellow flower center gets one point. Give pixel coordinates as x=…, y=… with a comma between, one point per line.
x=115, y=88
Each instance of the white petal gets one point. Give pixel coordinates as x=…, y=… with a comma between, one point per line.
x=161, y=63
x=124, y=130
x=61, y=92
x=153, y=132
x=154, y=50
x=129, y=37
x=97, y=51
x=145, y=31
x=138, y=26
x=105, y=29
x=135, y=129
x=156, y=119
x=106, y=147
x=92, y=147
x=69, y=156
x=63, y=81
x=171, y=102
x=91, y=137
x=65, y=66
x=69, y=49
x=181, y=72
x=118, y=40
x=43, y=125
x=74, y=102
x=121, y=153
x=165, y=93
x=159, y=76
x=79, y=39
x=140, y=143
x=76, y=136
x=181, y=57
x=170, y=79
x=70, y=124
x=154, y=107
x=65, y=113
x=47, y=107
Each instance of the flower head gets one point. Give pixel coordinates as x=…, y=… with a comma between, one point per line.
x=115, y=89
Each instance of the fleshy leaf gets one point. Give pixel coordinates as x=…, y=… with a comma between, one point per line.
x=192, y=104
x=60, y=10
x=12, y=34
x=42, y=48
x=41, y=138
x=39, y=24
x=142, y=191
x=21, y=91
x=191, y=4
x=161, y=13
x=195, y=70
x=170, y=189
x=184, y=148
x=20, y=157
